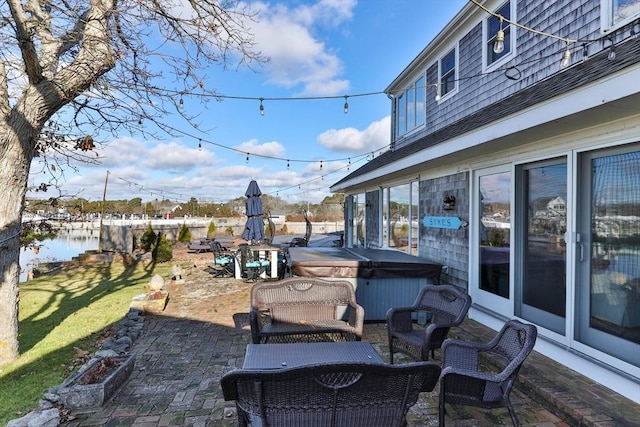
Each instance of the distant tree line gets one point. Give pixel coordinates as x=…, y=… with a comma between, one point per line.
x=330, y=209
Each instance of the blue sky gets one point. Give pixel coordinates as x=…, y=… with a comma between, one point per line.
x=319, y=48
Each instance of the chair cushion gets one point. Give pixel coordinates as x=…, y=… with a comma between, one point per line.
x=415, y=337
x=222, y=260
x=313, y=327
x=257, y=264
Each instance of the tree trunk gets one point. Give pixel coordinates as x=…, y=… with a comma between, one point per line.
x=16, y=152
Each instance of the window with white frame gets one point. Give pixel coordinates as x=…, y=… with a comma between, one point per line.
x=616, y=13
x=498, y=35
x=410, y=108
x=448, y=71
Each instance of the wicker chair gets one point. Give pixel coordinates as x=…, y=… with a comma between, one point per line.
x=464, y=381
x=443, y=306
x=328, y=395
x=302, y=309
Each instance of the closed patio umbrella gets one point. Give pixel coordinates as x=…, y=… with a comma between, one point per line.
x=254, y=227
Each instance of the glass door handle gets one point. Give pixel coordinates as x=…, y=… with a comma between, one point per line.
x=581, y=252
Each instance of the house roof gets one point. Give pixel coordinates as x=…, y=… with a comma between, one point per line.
x=581, y=74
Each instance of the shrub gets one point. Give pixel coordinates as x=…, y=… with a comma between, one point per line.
x=211, y=231
x=184, y=235
x=229, y=231
x=148, y=239
x=163, y=249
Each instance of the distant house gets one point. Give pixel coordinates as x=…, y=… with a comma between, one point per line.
x=557, y=205
x=553, y=115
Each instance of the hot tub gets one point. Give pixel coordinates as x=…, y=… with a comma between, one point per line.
x=381, y=278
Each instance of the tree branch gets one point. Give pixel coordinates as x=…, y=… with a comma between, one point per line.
x=25, y=42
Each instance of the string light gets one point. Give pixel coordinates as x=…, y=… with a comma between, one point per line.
x=199, y=145
x=263, y=156
x=438, y=97
x=247, y=160
x=498, y=46
x=288, y=164
x=566, y=58
x=346, y=105
x=585, y=51
x=261, y=107
x=181, y=103
x=180, y=197
x=612, y=51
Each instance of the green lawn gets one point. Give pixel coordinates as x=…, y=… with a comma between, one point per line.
x=59, y=314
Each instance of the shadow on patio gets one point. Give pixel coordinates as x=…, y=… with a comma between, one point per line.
x=203, y=333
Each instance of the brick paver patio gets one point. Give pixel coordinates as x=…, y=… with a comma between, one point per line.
x=202, y=334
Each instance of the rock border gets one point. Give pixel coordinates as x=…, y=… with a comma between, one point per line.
x=47, y=414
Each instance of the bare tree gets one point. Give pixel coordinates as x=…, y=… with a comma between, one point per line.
x=73, y=71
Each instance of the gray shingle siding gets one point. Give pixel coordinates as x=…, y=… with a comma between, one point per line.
x=448, y=247
x=585, y=72
x=537, y=57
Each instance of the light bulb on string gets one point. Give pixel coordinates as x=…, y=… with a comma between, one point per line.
x=566, y=58
x=437, y=93
x=247, y=159
x=346, y=105
x=261, y=107
x=498, y=45
x=585, y=52
x=612, y=51
x=181, y=103
x=199, y=144
x=320, y=164
x=288, y=166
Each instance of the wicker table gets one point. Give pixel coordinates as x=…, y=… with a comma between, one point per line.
x=276, y=356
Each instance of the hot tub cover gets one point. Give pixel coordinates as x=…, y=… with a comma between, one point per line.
x=360, y=263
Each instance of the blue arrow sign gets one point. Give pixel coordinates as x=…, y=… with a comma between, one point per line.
x=448, y=222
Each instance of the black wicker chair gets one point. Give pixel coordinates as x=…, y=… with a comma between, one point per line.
x=442, y=306
x=466, y=378
x=303, y=241
x=329, y=395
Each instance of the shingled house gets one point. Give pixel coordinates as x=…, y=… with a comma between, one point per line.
x=512, y=106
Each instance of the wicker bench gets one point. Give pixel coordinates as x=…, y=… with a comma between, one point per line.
x=304, y=309
x=350, y=394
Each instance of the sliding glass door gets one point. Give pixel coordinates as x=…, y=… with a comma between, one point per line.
x=608, y=264
x=541, y=200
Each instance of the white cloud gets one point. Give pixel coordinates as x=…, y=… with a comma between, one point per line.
x=297, y=56
x=273, y=148
x=173, y=157
x=351, y=140
x=121, y=151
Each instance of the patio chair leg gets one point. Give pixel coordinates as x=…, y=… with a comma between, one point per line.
x=513, y=415
x=441, y=409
